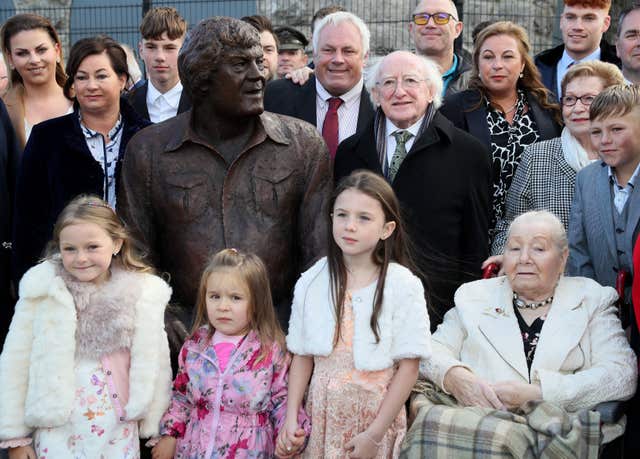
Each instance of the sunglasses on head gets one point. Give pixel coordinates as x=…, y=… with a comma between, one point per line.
x=438, y=18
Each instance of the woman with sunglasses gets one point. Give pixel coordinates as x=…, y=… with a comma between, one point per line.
x=506, y=106
x=545, y=178
x=33, y=53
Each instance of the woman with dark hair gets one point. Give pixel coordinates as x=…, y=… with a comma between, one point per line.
x=33, y=53
x=506, y=106
x=79, y=153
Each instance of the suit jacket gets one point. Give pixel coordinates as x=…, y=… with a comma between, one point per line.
x=137, y=97
x=56, y=167
x=287, y=98
x=459, y=108
x=547, y=62
x=592, y=244
x=582, y=357
x=543, y=181
x=444, y=189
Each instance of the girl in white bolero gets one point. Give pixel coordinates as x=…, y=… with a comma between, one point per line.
x=359, y=322
x=85, y=366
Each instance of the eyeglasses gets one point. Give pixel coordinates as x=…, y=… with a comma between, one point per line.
x=438, y=18
x=570, y=101
x=389, y=85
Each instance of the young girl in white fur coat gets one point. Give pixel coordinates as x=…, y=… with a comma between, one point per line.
x=359, y=322
x=85, y=367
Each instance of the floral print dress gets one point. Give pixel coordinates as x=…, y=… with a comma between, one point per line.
x=94, y=430
x=235, y=413
x=343, y=401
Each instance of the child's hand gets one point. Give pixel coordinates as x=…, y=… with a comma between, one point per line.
x=362, y=446
x=22, y=452
x=165, y=449
x=290, y=440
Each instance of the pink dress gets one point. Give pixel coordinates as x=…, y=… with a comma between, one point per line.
x=234, y=412
x=343, y=401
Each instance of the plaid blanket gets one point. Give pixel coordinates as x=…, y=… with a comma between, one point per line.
x=443, y=429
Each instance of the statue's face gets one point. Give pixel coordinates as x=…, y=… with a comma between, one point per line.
x=237, y=89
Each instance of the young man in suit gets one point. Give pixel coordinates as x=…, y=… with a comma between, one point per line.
x=334, y=99
x=582, y=23
x=161, y=97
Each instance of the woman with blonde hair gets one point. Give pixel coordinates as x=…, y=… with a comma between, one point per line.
x=506, y=106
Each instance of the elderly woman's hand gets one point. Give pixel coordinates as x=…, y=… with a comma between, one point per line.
x=513, y=394
x=469, y=390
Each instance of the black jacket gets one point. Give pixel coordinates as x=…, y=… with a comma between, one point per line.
x=138, y=99
x=56, y=167
x=460, y=77
x=287, y=98
x=547, y=62
x=444, y=190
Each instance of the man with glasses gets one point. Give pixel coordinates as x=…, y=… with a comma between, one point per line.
x=434, y=27
x=628, y=43
x=583, y=22
x=441, y=174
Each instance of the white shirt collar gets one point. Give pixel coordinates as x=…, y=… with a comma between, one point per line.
x=413, y=129
x=172, y=96
x=567, y=60
x=348, y=97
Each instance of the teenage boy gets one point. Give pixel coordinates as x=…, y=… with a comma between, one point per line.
x=161, y=97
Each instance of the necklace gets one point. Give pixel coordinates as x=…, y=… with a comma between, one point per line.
x=521, y=304
x=513, y=107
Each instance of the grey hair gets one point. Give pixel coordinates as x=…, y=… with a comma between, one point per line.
x=428, y=69
x=558, y=233
x=338, y=18
x=623, y=15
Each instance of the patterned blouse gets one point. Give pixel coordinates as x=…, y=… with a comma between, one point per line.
x=508, y=141
x=530, y=335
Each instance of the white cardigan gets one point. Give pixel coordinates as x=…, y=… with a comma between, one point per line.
x=582, y=357
x=403, y=320
x=37, y=378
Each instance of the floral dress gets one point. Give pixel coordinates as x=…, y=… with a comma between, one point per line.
x=343, y=401
x=94, y=430
x=235, y=413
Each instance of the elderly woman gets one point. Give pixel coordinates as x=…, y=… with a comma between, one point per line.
x=546, y=176
x=79, y=153
x=506, y=106
x=530, y=335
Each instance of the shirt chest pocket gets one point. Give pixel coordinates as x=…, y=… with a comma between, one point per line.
x=187, y=196
x=272, y=189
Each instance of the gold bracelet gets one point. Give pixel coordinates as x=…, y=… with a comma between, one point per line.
x=371, y=439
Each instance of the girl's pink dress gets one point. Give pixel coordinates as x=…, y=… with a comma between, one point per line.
x=343, y=401
x=235, y=413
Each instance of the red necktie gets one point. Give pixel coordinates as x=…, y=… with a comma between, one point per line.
x=330, y=126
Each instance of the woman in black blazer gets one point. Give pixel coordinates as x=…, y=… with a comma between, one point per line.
x=75, y=154
x=507, y=107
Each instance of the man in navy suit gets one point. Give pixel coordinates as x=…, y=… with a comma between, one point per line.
x=335, y=99
x=161, y=96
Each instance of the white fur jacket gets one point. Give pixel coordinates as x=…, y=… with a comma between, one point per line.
x=403, y=320
x=37, y=377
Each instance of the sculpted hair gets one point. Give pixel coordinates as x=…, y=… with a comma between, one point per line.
x=92, y=46
x=21, y=23
x=204, y=47
x=597, y=4
x=558, y=232
x=92, y=209
x=618, y=100
x=338, y=18
x=530, y=82
x=394, y=248
x=262, y=315
x=609, y=74
x=160, y=20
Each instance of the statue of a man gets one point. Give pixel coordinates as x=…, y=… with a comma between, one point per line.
x=226, y=174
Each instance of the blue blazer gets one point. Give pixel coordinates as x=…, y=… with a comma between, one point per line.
x=56, y=167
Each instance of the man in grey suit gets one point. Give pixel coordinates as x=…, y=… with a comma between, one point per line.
x=605, y=213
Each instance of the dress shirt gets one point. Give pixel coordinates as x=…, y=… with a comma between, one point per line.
x=621, y=194
x=105, y=155
x=391, y=140
x=163, y=106
x=347, y=112
x=567, y=61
